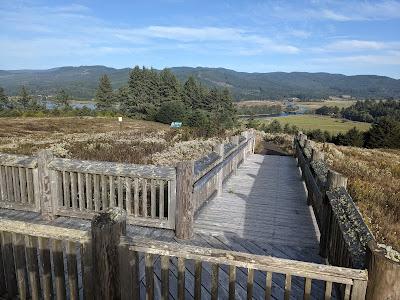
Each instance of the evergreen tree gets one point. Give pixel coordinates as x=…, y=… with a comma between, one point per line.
x=4, y=102
x=24, y=100
x=143, y=93
x=192, y=93
x=384, y=134
x=104, y=95
x=170, y=89
x=62, y=99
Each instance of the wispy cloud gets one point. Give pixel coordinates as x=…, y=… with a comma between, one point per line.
x=359, y=45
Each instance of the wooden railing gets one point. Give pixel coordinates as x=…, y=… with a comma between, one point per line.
x=65, y=187
x=32, y=260
x=111, y=265
x=344, y=235
x=19, y=187
x=345, y=238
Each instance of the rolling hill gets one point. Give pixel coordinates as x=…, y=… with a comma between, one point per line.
x=81, y=82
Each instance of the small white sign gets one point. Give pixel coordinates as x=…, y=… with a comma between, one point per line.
x=119, y=119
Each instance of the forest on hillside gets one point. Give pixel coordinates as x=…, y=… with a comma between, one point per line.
x=81, y=82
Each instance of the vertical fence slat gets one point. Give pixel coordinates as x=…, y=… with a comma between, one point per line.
x=250, y=283
x=307, y=289
x=10, y=194
x=136, y=197
x=89, y=193
x=197, y=280
x=161, y=198
x=288, y=286
x=81, y=192
x=15, y=176
x=359, y=290
x=328, y=290
x=232, y=282
x=20, y=265
x=44, y=252
x=22, y=184
x=164, y=277
x=72, y=270
x=74, y=190
x=66, y=185
x=87, y=270
x=149, y=276
x=2, y=277
x=104, y=197
x=153, y=198
x=112, y=191
x=96, y=192
x=268, y=285
x=214, y=281
x=29, y=185
x=129, y=273
x=144, y=197
x=9, y=270
x=120, y=192
x=3, y=184
x=32, y=266
x=347, y=291
x=128, y=184
x=58, y=265
x=181, y=278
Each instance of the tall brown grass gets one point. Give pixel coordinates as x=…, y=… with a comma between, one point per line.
x=374, y=184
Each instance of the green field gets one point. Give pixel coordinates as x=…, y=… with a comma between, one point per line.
x=332, y=125
x=330, y=103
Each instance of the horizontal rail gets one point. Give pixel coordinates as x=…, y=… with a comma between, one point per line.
x=113, y=169
x=245, y=260
x=45, y=231
x=21, y=161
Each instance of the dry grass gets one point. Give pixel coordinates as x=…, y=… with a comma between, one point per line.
x=374, y=184
x=88, y=138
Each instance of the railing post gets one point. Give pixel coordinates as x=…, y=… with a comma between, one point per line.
x=107, y=228
x=44, y=181
x=383, y=274
x=317, y=155
x=184, y=200
x=334, y=180
x=220, y=175
x=235, y=141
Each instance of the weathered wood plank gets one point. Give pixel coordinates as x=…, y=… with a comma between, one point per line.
x=113, y=169
x=33, y=267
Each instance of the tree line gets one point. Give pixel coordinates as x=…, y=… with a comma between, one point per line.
x=384, y=133
x=148, y=94
x=364, y=111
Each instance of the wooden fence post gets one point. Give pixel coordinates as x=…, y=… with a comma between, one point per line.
x=235, y=141
x=383, y=275
x=44, y=178
x=184, y=200
x=317, y=155
x=220, y=175
x=107, y=228
x=334, y=180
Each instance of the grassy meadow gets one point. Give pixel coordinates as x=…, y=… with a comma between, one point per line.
x=311, y=122
x=104, y=139
x=313, y=105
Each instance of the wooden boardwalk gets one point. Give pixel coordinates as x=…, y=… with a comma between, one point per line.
x=265, y=201
x=262, y=210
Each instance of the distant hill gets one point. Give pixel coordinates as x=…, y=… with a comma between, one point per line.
x=81, y=82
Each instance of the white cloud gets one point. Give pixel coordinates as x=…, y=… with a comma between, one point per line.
x=359, y=45
x=390, y=59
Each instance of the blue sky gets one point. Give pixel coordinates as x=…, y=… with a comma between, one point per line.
x=349, y=37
